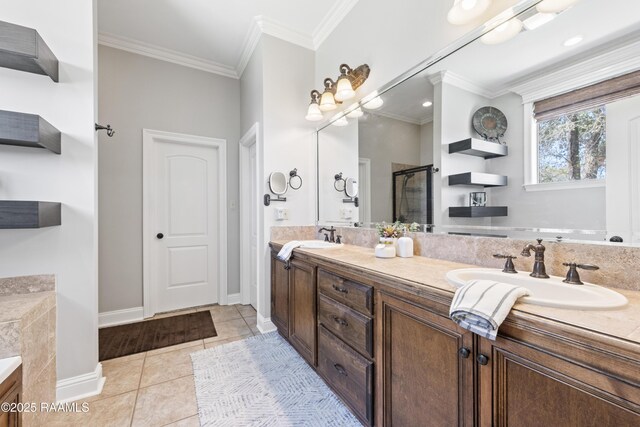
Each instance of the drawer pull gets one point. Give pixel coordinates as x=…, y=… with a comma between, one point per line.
x=340, y=369
x=340, y=321
x=464, y=352
x=340, y=289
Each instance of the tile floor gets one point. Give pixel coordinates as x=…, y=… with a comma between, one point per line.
x=156, y=388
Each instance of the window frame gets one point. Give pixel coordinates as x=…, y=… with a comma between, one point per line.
x=531, y=161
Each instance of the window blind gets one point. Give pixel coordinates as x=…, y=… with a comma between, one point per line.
x=588, y=97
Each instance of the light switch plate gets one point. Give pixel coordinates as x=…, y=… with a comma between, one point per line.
x=281, y=214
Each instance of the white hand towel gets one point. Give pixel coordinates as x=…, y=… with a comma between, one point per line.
x=287, y=249
x=482, y=305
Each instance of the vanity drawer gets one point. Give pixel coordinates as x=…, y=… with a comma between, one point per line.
x=352, y=294
x=349, y=374
x=352, y=327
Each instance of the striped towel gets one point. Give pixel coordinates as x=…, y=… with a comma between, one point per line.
x=482, y=305
x=287, y=249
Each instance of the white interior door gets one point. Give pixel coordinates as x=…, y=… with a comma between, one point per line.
x=184, y=201
x=253, y=244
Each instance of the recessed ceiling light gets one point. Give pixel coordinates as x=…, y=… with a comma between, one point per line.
x=538, y=20
x=572, y=41
x=427, y=104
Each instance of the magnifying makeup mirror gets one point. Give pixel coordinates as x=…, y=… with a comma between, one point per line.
x=351, y=187
x=278, y=183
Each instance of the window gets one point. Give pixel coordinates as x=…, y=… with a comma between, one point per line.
x=568, y=134
x=572, y=146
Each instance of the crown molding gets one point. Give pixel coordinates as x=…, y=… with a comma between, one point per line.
x=608, y=62
x=331, y=20
x=168, y=55
x=250, y=43
x=460, y=82
x=402, y=118
x=276, y=29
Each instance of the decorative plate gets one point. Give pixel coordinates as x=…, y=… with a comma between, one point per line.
x=490, y=123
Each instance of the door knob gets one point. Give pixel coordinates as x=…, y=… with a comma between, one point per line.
x=464, y=352
x=482, y=359
x=159, y=235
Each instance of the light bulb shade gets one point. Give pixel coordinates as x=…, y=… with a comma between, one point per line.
x=554, y=6
x=503, y=32
x=355, y=113
x=538, y=20
x=374, y=104
x=327, y=101
x=342, y=121
x=344, y=90
x=465, y=11
x=313, y=112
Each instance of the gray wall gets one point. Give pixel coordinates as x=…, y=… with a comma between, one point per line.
x=385, y=141
x=136, y=92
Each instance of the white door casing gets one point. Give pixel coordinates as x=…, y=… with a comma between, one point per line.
x=184, y=198
x=249, y=216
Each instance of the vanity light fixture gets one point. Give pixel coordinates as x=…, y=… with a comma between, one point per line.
x=503, y=32
x=354, y=114
x=314, y=113
x=342, y=121
x=555, y=6
x=427, y=104
x=327, y=100
x=465, y=11
x=572, y=41
x=372, y=101
x=538, y=20
x=335, y=92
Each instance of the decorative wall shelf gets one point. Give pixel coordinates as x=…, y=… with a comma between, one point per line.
x=28, y=130
x=478, y=148
x=477, y=211
x=29, y=214
x=23, y=49
x=478, y=178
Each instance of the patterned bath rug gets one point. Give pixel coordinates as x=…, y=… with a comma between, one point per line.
x=262, y=381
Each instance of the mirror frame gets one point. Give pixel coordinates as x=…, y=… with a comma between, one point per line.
x=284, y=178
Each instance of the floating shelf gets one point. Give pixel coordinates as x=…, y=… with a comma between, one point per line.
x=23, y=49
x=477, y=178
x=27, y=214
x=478, y=148
x=28, y=130
x=477, y=211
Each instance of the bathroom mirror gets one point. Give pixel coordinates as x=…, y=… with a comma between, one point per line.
x=564, y=96
x=278, y=183
x=351, y=187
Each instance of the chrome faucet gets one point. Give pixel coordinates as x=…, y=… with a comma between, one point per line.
x=539, y=270
x=331, y=230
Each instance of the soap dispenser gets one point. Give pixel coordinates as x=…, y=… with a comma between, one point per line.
x=405, y=246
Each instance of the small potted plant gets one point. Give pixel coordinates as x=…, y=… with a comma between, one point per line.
x=389, y=233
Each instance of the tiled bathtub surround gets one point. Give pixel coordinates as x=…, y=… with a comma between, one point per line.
x=28, y=329
x=619, y=265
x=27, y=284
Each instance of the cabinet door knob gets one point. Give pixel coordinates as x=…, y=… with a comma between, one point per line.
x=482, y=359
x=340, y=369
x=464, y=352
x=160, y=236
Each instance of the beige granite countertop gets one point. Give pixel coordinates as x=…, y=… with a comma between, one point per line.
x=622, y=324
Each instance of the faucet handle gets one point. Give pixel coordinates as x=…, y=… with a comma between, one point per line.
x=573, y=277
x=508, y=265
x=326, y=237
x=338, y=239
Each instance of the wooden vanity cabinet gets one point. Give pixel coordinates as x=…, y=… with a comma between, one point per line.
x=11, y=392
x=522, y=385
x=280, y=295
x=303, y=325
x=424, y=369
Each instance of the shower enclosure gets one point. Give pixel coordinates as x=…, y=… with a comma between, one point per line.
x=413, y=195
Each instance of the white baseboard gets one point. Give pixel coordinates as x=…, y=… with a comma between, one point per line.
x=120, y=317
x=81, y=386
x=234, y=299
x=265, y=324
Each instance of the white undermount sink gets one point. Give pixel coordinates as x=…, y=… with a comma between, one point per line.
x=550, y=292
x=318, y=244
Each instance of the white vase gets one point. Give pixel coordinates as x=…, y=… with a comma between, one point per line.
x=393, y=240
x=385, y=250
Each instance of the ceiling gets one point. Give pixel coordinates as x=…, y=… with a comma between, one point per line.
x=214, y=35
x=493, y=70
